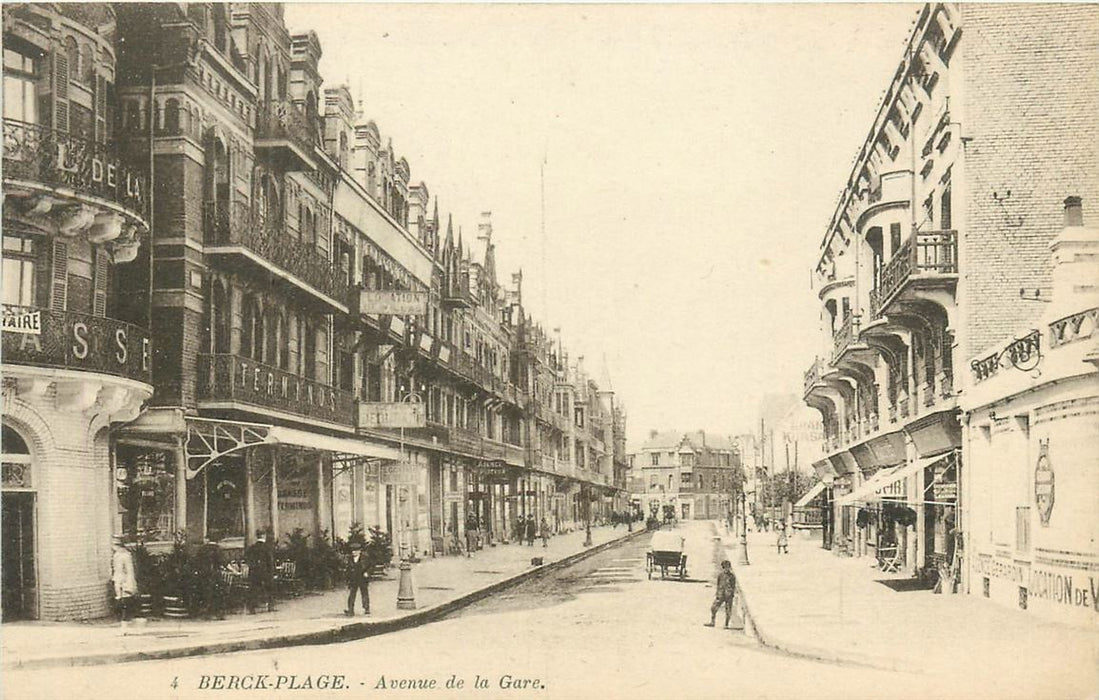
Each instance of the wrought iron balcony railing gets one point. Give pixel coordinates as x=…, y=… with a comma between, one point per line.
x=844, y=336
x=923, y=253
x=234, y=223
x=44, y=156
x=282, y=119
x=812, y=375
x=82, y=342
x=225, y=377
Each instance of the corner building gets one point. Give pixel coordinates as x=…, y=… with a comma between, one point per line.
x=937, y=251
x=76, y=357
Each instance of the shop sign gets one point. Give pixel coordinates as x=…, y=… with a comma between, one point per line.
x=391, y=415
x=392, y=302
x=494, y=472
x=895, y=489
x=945, y=492
x=1066, y=589
x=1043, y=483
x=18, y=319
x=398, y=473
x=997, y=568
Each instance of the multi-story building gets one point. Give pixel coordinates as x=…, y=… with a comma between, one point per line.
x=694, y=473
x=76, y=356
x=295, y=299
x=937, y=251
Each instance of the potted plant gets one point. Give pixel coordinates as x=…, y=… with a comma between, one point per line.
x=379, y=551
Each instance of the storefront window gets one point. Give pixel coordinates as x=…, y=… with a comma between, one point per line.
x=225, y=500
x=145, y=482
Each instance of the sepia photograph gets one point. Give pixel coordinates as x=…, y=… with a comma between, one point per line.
x=550, y=350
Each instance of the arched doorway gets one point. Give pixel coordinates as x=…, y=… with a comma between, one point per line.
x=18, y=568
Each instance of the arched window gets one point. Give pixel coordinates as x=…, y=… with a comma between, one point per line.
x=251, y=344
x=87, y=64
x=343, y=149
x=17, y=463
x=72, y=52
x=370, y=180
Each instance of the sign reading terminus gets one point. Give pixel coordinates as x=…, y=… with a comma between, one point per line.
x=391, y=415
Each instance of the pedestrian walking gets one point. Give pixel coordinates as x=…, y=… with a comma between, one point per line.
x=726, y=590
x=532, y=531
x=545, y=527
x=123, y=578
x=358, y=580
x=261, y=573
x=780, y=538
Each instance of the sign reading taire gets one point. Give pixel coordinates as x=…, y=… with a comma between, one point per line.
x=392, y=302
x=391, y=415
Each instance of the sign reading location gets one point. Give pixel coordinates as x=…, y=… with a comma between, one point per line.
x=392, y=302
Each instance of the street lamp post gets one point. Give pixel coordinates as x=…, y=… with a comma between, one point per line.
x=587, y=516
x=406, y=596
x=742, y=556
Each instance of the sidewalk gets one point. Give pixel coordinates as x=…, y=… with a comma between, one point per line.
x=441, y=585
x=813, y=603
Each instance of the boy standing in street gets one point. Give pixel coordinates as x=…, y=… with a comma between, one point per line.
x=726, y=588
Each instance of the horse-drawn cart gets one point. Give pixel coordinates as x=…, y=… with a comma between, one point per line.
x=666, y=552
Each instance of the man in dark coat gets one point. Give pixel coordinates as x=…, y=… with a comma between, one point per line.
x=358, y=580
x=532, y=531
x=261, y=572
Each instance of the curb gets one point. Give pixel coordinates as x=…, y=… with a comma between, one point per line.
x=341, y=633
x=808, y=651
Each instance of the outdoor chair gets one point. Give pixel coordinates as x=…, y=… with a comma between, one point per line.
x=286, y=579
x=889, y=559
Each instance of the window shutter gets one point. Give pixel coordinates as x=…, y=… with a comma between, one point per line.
x=60, y=273
x=60, y=91
x=102, y=267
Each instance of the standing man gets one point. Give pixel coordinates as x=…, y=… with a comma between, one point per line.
x=358, y=580
x=726, y=589
x=545, y=527
x=261, y=573
x=532, y=528
x=520, y=529
x=123, y=578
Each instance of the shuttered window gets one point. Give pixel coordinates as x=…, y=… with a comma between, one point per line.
x=60, y=91
x=99, y=294
x=59, y=291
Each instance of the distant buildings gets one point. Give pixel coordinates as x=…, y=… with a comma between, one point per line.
x=955, y=373
x=690, y=472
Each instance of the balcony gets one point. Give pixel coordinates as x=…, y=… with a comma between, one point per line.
x=926, y=259
x=74, y=341
x=456, y=295
x=233, y=231
x=844, y=337
x=235, y=382
x=283, y=131
x=44, y=168
x=812, y=376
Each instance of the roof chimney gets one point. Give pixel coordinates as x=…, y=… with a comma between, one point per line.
x=652, y=434
x=1074, y=212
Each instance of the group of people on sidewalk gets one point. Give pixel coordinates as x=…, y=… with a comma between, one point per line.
x=526, y=529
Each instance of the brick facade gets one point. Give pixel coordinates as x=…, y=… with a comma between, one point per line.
x=1031, y=118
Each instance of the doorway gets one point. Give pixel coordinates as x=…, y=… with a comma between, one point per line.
x=20, y=583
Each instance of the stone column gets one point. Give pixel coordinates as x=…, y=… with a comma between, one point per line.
x=249, y=500
x=181, y=485
x=323, y=519
x=275, y=492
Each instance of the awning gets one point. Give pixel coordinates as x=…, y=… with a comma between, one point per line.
x=813, y=493
x=302, y=438
x=888, y=484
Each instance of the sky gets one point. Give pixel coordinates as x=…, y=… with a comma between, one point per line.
x=691, y=156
